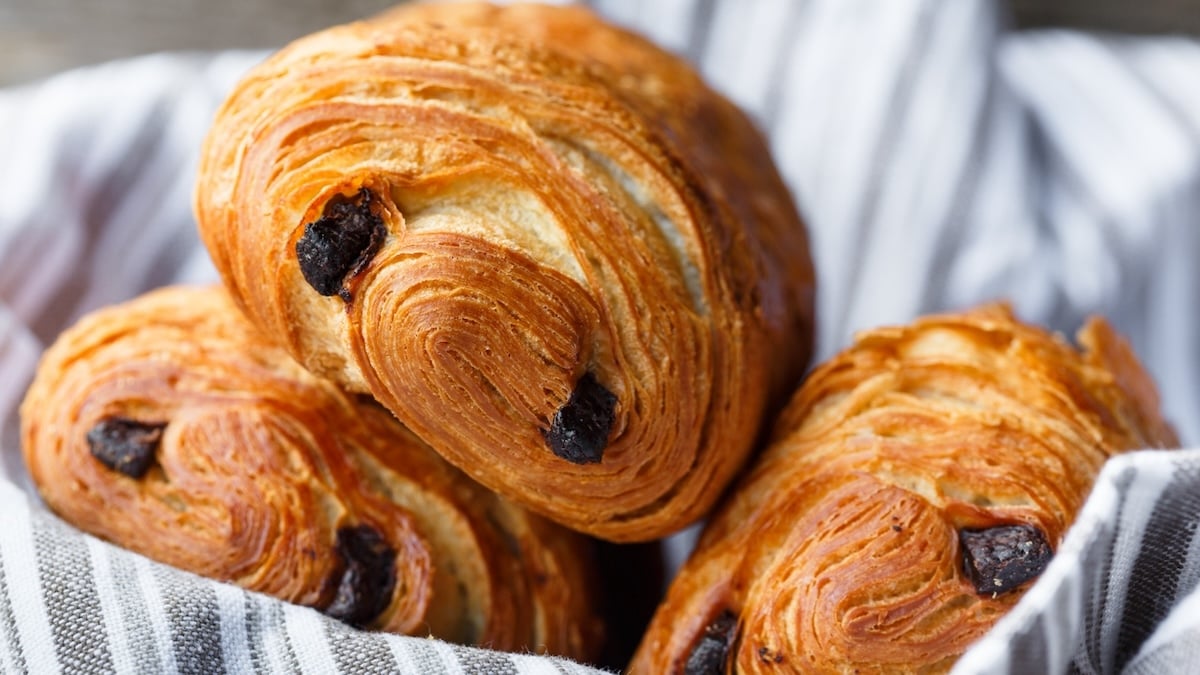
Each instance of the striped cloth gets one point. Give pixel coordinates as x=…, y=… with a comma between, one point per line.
x=940, y=160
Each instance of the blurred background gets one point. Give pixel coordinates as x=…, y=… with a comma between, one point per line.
x=39, y=37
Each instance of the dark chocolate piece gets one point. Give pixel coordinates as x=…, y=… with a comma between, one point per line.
x=999, y=559
x=125, y=445
x=579, y=431
x=712, y=649
x=767, y=656
x=340, y=244
x=368, y=576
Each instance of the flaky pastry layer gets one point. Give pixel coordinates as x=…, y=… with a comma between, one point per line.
x=170, y=427
x=915, y=485
x=540, y=241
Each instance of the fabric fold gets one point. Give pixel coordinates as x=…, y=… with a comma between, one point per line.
x=940, y=161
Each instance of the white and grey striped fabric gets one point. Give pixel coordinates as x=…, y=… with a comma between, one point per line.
x=940, y=160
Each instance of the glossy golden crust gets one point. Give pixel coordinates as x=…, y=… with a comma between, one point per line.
x=560, y=199
x=260, y=465
x=840, y=551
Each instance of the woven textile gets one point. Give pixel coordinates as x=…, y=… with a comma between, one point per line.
x=940, y=161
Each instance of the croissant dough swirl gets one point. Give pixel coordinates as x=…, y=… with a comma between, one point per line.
x=913, y=485
x=541, y=242
x=169, y=427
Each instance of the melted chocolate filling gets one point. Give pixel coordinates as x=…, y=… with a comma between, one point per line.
x=579, y=431
x=712, y=649
x=999, y=559
x=340, y=244
x=125, y=445
x=368, y=576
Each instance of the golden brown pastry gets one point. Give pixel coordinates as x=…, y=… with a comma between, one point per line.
x=914, y=486
x=167, y=426
x=543, y=243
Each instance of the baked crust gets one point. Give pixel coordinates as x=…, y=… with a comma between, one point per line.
x=263, y=475
x=541, y=199
x=843, y=548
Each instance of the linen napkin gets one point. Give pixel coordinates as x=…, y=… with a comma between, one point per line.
x=940, y=160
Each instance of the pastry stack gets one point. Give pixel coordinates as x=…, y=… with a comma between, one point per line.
x=498, y=283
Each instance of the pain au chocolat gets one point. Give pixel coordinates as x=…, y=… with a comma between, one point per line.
x=915, y=485
x=540, y=241
x=170, y=427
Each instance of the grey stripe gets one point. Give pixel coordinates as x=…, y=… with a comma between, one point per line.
x=1082, y=197
x=1189, y=581
x=18, y=376
x=480, y=661
x=135, y=615
x=1173, y=657
x=110, y=192
x=359, y=652
x=1033, y=646
x=884, y=156
x=1078, y=189
x=8, y=624
x=701, y=28
x=72, y=603
x=1153, y=587
x=1030, y=652
x=258, y=658
x=101, y=203
x=275, y=622
x=192, y=616
x=151, y=256
x=1060, y=316
x=572, y=668
x=781, y=64
x=953, y=233
x=1097, y=575
x=428, y=661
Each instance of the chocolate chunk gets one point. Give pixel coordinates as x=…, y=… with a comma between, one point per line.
x=340, y=243
x=712, y=649
x=999, y=559
x=767, y=656
x=125, y=445
x=368, y=576
x=579, y=430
